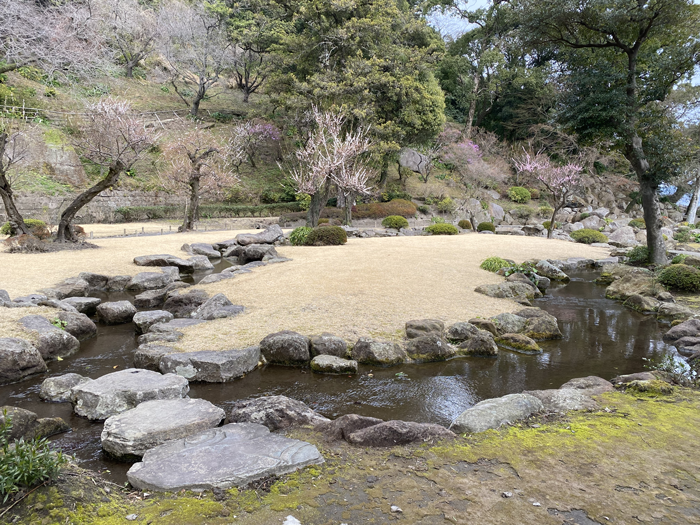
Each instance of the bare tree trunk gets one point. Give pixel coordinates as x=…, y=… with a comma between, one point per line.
x=349, y=200
x=384, y=172
x=472, y=106
x=652, y=218
x=318, y=201
x=192, y=212
x=65, y=225
x=692, y=214
x=14, y=217
x=552, y=223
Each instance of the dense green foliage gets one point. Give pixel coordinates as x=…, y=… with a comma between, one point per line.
x=486, y=226
x=207, y=211
x=588, y=236
x=680, y=277
x=679, y=259
x=493, y=264
x=395, y=221
x=685, y=235
x=23, y=464
x=326, y=236
x=442, y=229
x=638, y=223
x=547, y=224
x=465, y=224
x=638, y=255
x=519, y=194
x=298, y=235
x=36, y=227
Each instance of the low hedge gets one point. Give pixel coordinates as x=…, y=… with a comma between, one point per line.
x=486, y=226
x=442, y=229
x=395, y=221
x=588, y=236
x=326, y=236
x=680, y=277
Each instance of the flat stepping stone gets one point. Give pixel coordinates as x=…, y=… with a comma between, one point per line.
x=164, y=259
x=18, y=359
x=217, y=307
x=230, y=456
x=144, y=320
x=58, y=389
x=120, y=391
x=201, y=248
x=175, y=325
x=210, y=366
x=493, y=413
x=84, y=305
x=118, y=312
x=129, y=435
x=330, y=364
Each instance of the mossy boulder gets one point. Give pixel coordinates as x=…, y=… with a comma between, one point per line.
x=518, y=343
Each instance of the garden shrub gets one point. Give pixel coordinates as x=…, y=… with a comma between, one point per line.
x=395, y=221
x=299, y=235
x=437, y=220
x=680, y=277
x=546, y=224
x=446, y=205
x=588, y=236
x=207, y=211
x=323, y=221
x=23, y=464
x=519, y=194
x=486, y=226
x=585, y=215
x=685, y=235
x=391, y=195
x=493, y=264
x=638, y=223
x=465, y=224
x=522, y=212
x=442, y=229
x=679, y=259
x=638, y=255
x=545, y=211
x=534, y=193
x=379, y=210
x=36, y=227
x=326, y=236
x=424, y=209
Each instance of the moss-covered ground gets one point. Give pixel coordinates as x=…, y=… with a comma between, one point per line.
x=633, y=461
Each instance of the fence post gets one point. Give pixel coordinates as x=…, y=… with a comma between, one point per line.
x=124, y=232
x=91, y=235
x=161, y=231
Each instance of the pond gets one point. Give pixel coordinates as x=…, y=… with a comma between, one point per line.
x=601, y=337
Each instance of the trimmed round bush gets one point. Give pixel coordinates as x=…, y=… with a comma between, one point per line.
x=638, y=223
x=324, y=221
x=493, y=264
x=36, y=227
x=465, y=224
x=486, y=226
x=442, y=229
x=299, y=235
x=395, y=221
x=638, y=255
x=519, y=194
x=680, y=277
x=588, y=236
x=326, y=236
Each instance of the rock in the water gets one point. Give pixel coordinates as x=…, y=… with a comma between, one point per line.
x=27, y=425
x=201, y=263
x=84, y=305
x=328, y=344
x=275, y=412
x=57, y=389
x=286, y=348
x=130, y=434
x=644, y=305
x=507, y=323
x=211, y=367
x=669, y=312
x=428, y=348
x=183, y=304
x=640, y=282
x=628, y=378
x=52, y=341
x=562, y=400
x=201, y=248
x=164, y=337
x=493, y=413
x=270, y=235
x=688, y=346
x=330, y=364
x=422, y=327
x=519, y=292
x=550, y=271
x=396, y=433
x=518, y=343
x=229, y=456
x=459, y=332
x=217, y=307
x=18, y=359
x=485, y=324
x=252, y=252
x=148, y=281
x=118, y=312
x=371, y=352
x=481, y=343
x=148, y=356
x=342, y=427
x=78, y=325
x=182, y=265
x=144, y=320
x=216, y=277
x=540, y=325
x=150, y=298
x=120, y=391
x=590, y=385
x=689, y=328
x=118, y=283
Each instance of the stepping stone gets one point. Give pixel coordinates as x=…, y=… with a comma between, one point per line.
x=328, y=344
x=211, y=367
x=127, y=436
x=201, y=248
x=52, y=341
x=562, y=400
x=286, y=348
x=217, y=307
x=84, y=305
x=148, y=281
x=78, y=325
x=182, y=265
x=275, y=412
x=118, y=312
x=148, y=356
x=330, y=364
x=230, y=456
x=175, y=325
x=144, y=320
x=395, y=433
x=18, y=359
x=150, y=298
x=58, y=389
x=120, y=391
x=201, y=263
x=492, y=413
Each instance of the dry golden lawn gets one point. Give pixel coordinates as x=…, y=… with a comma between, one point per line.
x=369, y=287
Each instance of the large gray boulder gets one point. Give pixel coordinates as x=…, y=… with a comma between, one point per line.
x=518, y=343
x=118, y=283
x=148, y=355
x=118, y=312
x=96, y=282
x=689, y=328
x=560, y=401
x=428, y=348
x=396, y=433
x=71, y=287
x=183, y=304
x=144, y=320
x=275, y=412
x=170, y=336
x=328, y=344
x=460, y=332
x=286, y=348
x=423, y=327
x=52, y=342
x=84, y=305
x=540, y=325
x=120, y=391
x=4, y=297
x=127, y=436
x=175, y=325
x=201, y=263
x=270, y=235
x=550, y=271
x=342, y=427
x=481, y=344
x=210, y=366
x=27, y=425
x=589, y=385
x=148, y=281
x=150, y=298
x=182, y=265
x=252, y=252
x=18, y=359
x=217, y=307
x=57, y=389
x=493, y=413
x=230, y=456
x=623, y=237
x=669, y=312
x=414, y=161
x=330, y=364
x=371, y=352
x=508, y=323
x=201, y=248
x=78, y=325
x=519, y=292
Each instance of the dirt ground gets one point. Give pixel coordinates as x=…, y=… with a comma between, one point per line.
x=632, y=461
x=368, y=287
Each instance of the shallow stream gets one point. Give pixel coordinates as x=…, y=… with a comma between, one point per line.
x=601, y=337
